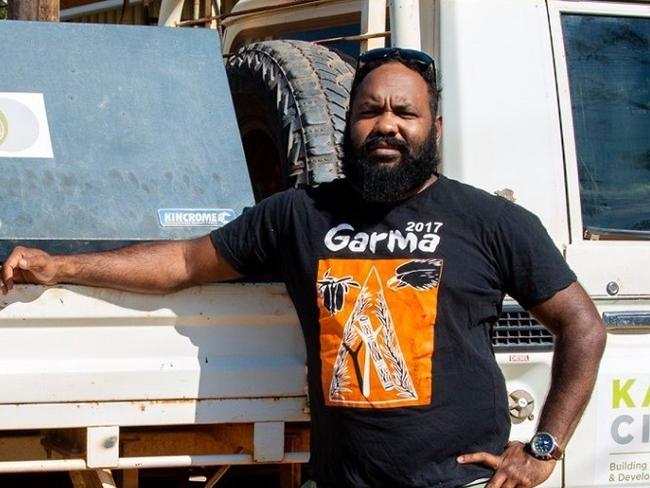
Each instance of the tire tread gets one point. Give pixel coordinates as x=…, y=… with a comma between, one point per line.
x=310, y=85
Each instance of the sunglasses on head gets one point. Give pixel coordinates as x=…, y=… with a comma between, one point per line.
x=421, y=59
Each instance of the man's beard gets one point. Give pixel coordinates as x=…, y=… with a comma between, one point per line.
x=377, y=184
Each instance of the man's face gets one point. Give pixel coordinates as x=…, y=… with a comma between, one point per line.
x=391, y=139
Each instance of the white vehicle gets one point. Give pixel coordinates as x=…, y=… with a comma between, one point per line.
x=546, y=102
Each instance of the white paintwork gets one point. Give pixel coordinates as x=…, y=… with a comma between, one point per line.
x=170, y=12
x=151, y=412
x=209, y=460
x=93, y=8
x=243, y=5
x=268, y=441
x=237, y=28
x=499, y=105
x=102, y=446
x=280, y=20
x=78, y=356
x=373, y=19
x=626, y=356
x=593, y=451
x=405, y=23
x=596, y=262
x=74, y=357
x=530, y=372
x=39, y=466
x=145, y=462
x=599, y=262
x=78, y=344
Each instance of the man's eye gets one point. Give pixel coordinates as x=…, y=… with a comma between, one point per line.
x=368, y=112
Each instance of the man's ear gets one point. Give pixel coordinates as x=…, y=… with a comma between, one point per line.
x=438, y=124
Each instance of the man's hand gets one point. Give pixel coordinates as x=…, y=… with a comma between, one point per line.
x=27, y=266
x=150, y=267
x=515, y=468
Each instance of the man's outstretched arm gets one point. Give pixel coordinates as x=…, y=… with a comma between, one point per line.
x=579, y=344
x=155, y=267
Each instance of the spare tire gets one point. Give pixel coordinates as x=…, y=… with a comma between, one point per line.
x=291, y=99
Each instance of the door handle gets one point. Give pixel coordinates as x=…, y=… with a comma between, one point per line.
x=629, y=320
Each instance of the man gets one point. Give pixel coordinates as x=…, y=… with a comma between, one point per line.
x=396, y=274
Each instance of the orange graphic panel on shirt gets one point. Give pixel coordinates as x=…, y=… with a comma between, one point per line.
x=376, y=330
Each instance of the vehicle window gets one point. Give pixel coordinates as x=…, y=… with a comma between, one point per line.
x=351, y=48
x=608, y=60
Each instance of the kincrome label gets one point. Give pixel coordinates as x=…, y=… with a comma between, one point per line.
x=195, y=217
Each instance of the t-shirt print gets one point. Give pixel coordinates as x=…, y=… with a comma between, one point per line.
x=377, y=319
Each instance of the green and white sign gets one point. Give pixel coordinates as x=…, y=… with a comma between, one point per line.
x=24, y=129
x=623, y=437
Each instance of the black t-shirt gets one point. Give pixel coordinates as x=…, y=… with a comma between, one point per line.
x=396, y=304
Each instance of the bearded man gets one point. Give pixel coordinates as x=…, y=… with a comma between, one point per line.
x=397, y=274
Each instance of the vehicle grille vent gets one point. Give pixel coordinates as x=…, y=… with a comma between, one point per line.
x=517, y=330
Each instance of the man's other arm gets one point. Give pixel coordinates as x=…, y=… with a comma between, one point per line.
x=155, y=267
x=580, y=338
x=579, y=344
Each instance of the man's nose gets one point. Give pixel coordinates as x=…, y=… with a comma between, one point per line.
x=386, y=124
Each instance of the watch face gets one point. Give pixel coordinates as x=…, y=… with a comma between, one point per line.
x=542, y=444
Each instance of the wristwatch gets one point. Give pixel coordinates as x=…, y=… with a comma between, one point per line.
x=544, y=446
